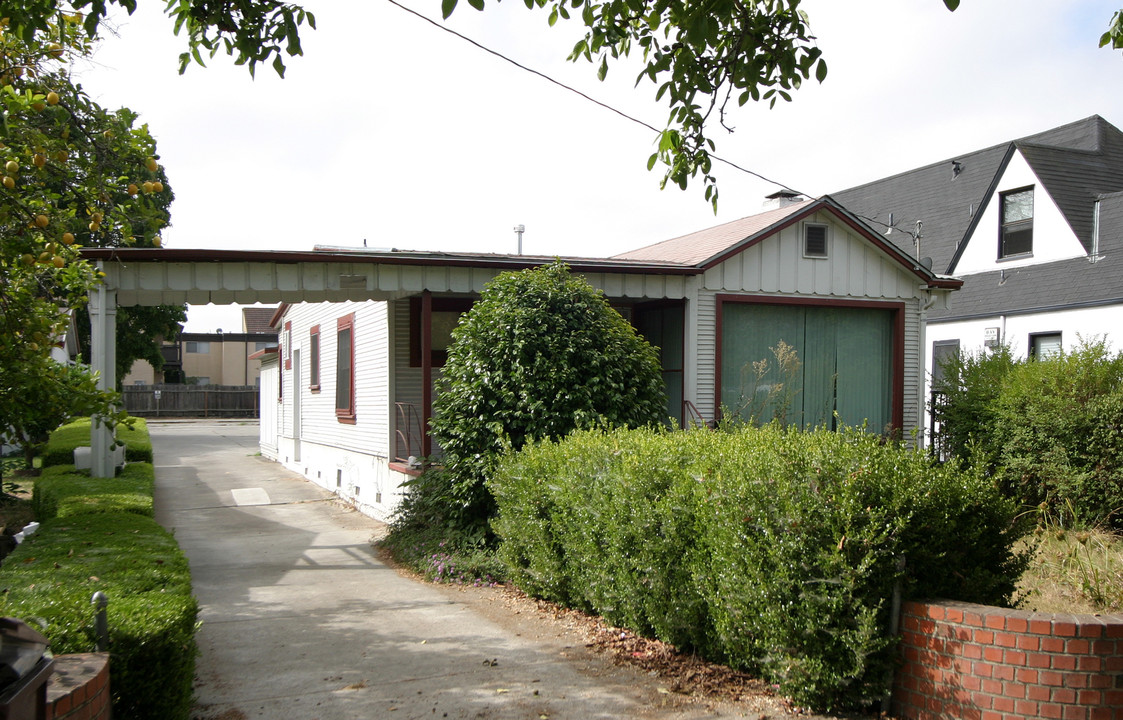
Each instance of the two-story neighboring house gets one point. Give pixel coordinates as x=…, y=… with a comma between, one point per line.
x=1034, y=227
x=215, y=358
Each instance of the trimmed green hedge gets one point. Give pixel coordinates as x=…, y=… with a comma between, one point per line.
x=98, y=534
x=152, y=614
x=771, y=550
x=61, y=445
x=62, y=491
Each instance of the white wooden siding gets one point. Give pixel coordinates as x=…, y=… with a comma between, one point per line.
x=705, y=349
x=348, y=459
x=914, y=369
x=270, y=408
x=370, y=432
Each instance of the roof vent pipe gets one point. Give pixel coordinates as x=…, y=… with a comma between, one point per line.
x=519, y=230
x=1095, y=254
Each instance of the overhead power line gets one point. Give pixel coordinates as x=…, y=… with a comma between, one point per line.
x=577, y=92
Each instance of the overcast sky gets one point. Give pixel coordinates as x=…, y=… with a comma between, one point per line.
x=391, y=130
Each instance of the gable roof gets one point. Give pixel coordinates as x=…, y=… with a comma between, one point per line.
x=1065, y=284
x=1075, y=163
x=256, y=319
x=698, y=247
x=706, y=248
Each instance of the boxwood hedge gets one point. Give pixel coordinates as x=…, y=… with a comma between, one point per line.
x=776, y=551
x=62, y=491
x=99, y=535
x=61, y=445
x=53, y=575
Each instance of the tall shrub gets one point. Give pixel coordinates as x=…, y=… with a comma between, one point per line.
x=1058, y=430
x=1049, y=430
x=773, y=550
x=540, y=354
x=965, y=406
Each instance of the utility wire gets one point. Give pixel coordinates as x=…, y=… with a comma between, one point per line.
x=575, y=91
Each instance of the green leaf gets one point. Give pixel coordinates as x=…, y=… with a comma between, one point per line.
x=447, y=6
x=951, y=4
x=603, y=70
x=477, y=4
x=821, y=70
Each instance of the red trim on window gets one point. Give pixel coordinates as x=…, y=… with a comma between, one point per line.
x=345, y=414
x=314, y=369
x=288, y=341
x=898, y=308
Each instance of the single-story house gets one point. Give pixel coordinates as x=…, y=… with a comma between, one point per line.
x=347, y=396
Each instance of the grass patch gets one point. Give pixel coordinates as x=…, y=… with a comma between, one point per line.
x=1075, y=571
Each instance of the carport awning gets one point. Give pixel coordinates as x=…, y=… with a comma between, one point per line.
x=159, y=276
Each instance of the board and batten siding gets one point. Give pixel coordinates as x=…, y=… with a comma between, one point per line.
x=775, y=266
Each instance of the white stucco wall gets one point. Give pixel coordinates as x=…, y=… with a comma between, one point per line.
x=1088, y=323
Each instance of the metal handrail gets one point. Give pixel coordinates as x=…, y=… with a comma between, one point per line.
x=408, y=431
x=694, y=418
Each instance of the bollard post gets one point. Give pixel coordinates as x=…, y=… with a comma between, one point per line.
x=101, y=622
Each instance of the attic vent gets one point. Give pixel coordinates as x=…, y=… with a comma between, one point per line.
x=814, y=240
x=352, y=282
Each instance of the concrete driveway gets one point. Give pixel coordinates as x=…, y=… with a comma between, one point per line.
x=301, y=620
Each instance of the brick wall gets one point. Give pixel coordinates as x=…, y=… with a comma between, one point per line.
x=974, y=662
x=79, y=688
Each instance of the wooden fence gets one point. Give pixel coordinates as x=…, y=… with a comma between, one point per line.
x=191, y=400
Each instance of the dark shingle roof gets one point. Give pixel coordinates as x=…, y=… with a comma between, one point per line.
x=944, y=202
x=256, y=319
x=1074, y=179
x=1037, y=288
x=1075, y=163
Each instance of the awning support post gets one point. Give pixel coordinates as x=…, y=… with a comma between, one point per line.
x=103, y=356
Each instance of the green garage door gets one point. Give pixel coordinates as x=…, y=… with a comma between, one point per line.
x=844, y=374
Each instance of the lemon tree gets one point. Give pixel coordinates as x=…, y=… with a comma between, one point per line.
x=71, y=174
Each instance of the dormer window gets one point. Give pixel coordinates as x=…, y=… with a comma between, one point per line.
x=1016, y=233
x=814, y=240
